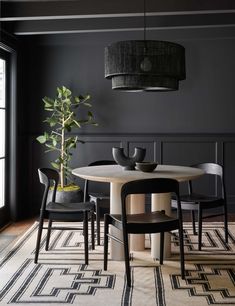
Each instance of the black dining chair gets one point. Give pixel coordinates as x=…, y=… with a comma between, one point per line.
x=100, y=199
x=197, y=202
x=149, y=222
x=66, y=212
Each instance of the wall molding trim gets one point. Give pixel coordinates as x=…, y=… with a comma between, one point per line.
x=181, y=149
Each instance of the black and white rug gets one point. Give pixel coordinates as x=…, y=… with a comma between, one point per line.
x=61, y=278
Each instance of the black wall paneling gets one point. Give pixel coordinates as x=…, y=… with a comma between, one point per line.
x=229, y=164
x=167, y=149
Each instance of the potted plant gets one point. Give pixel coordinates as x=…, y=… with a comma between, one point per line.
x=62, y=120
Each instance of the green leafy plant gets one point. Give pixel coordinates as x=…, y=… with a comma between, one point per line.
x=62, y=120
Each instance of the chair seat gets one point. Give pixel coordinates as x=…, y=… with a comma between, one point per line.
x=192, y=201
x=69, y=207
x=151, y=217
x=197, y=198
x=100, y=196
x=153, y=222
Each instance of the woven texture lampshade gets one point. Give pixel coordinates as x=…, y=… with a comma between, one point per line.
x=145, y=65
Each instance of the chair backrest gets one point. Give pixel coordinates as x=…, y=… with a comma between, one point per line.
x=48, y=177
x=211, y=169
x=149, y=186
x=96, y=163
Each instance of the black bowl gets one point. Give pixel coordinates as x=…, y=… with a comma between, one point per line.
x=146, y=166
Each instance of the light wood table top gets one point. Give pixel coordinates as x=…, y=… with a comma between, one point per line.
x=116, y=174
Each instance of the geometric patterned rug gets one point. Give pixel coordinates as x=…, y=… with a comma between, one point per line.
x=61, y=278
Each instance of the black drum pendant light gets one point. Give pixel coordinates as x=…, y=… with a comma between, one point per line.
x=145, y=65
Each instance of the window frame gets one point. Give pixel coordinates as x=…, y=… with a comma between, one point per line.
x=5, y=210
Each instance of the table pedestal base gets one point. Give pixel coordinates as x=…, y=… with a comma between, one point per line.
x=116, y=249
x=161, y=201
x=135, y=205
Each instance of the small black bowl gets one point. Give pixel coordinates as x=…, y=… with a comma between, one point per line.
x=146, y=166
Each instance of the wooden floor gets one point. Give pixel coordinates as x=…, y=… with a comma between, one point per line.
x=17, y=228
x=12, y=231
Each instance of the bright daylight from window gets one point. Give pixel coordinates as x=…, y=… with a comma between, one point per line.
x=2, y=132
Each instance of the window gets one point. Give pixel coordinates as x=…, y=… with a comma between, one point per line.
x=2, y=130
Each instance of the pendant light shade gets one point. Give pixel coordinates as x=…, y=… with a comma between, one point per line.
x=145, y=65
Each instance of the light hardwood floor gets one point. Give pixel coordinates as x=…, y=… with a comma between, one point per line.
x=12, y=231
x=17, y=228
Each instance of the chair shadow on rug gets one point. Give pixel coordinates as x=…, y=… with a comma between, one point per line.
x=145, y=223
x=66, y=212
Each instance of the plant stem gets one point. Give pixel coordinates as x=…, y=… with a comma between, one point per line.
x=62, y=155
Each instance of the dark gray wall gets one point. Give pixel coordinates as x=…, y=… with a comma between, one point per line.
x=204, y=103
x=202, y=108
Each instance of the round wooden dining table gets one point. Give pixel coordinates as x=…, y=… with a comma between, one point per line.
x=117, y=176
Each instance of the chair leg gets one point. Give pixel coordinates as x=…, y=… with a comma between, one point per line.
x=85, y=232
x=106, y=230
x=199, y=228
x=182, y=261
x=193, y=222
x=127, y=259
x=40, y=228
x=92, y=231
x=225, y=224
x=98, y=222
x=48, y=234
x=161, y=247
